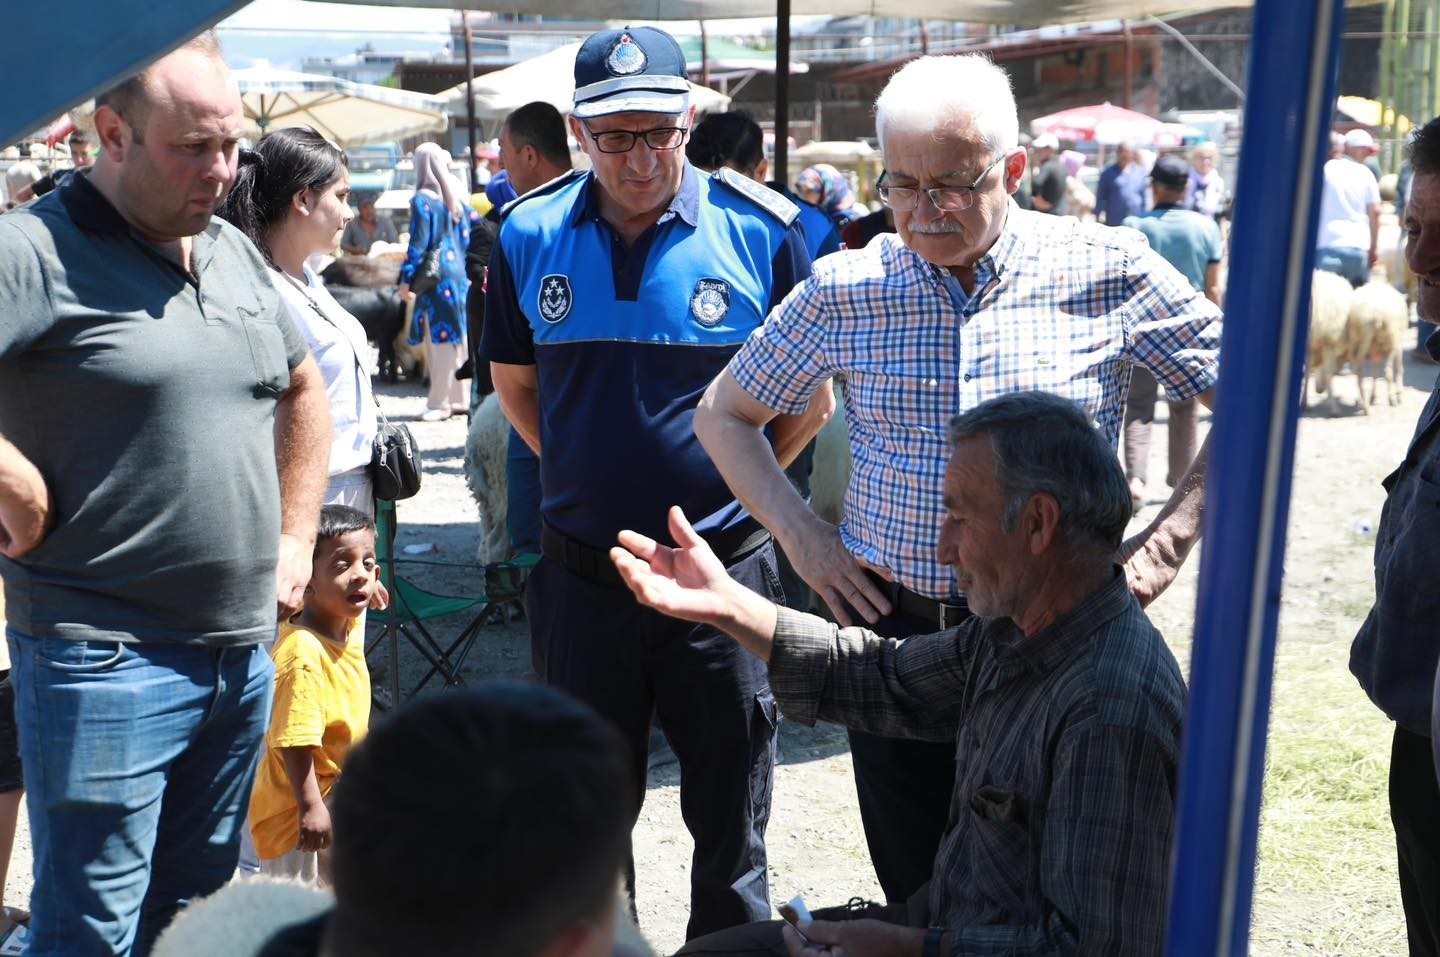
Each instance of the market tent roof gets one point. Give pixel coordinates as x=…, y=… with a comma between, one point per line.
x=1018, y=12
x=549, y=77
x=62, y=66
x=350, y=114
x=1369, y=113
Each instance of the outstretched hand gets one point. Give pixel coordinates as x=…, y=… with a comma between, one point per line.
x=686, y=582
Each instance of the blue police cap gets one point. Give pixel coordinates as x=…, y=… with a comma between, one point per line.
x=630, y=71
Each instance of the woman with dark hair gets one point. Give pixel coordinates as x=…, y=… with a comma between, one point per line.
x=291, y=198
x=735, y=141
x=439, y=220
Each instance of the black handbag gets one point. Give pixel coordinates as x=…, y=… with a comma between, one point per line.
x=395, y=465
x=427, y=274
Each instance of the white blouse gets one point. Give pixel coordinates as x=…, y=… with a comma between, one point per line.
x=340, y=349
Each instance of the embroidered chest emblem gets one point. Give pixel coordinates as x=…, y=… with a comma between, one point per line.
x=555, y=297
x=626, y=58
x=710, y=302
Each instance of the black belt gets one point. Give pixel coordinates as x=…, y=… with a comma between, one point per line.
x=945, y=614
x=594, y=564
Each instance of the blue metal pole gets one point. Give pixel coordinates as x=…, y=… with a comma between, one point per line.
x=1294, y=55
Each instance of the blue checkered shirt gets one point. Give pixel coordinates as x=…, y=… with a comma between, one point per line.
x=1058, y=305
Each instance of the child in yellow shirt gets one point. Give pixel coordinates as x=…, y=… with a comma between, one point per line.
x=322, y=700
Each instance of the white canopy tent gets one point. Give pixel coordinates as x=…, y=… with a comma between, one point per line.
x=549, y=77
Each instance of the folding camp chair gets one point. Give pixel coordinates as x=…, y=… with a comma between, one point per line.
x=412, y=606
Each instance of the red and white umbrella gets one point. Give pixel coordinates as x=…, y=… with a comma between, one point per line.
x=1105, y=124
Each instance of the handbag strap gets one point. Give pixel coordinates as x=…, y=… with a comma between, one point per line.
x=359, y=366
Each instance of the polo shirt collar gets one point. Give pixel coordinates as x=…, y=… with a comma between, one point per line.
x=89, y=209
x=685, y=204
x=1058, y=641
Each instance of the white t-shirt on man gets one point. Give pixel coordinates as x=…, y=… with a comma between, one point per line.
x=1350, y=190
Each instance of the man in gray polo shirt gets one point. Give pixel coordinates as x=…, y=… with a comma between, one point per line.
x=165, y=437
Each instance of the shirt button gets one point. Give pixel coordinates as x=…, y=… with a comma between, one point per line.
x=932, y=383
x=967, y=377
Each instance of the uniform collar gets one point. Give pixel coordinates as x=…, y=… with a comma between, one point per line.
x=1061, y=639
x=685, y=204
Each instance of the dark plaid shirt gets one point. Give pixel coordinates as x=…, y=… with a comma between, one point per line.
x=1067, y=744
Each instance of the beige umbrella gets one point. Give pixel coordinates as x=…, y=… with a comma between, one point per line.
x=349, y=114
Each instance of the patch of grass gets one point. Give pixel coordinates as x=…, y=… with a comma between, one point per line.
x=1326, y=879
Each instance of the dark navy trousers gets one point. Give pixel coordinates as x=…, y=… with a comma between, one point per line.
x=714, y=704
x=904, y=789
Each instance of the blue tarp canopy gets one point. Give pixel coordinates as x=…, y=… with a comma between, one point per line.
x=56, y=57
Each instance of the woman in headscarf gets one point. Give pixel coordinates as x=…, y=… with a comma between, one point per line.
x=825, y=186
x=439, y=219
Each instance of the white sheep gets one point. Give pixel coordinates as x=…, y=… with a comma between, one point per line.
x=486, y=446
x=1378, y=319
x=1330, y=297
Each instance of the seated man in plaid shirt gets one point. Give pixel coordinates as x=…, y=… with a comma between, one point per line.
x=971, y=298
x=1060, y=698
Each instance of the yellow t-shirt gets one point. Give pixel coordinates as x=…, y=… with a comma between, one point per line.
x=322, y=702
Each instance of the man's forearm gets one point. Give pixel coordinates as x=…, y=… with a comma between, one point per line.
x=789, y=434
x=521, y=405
x=1178, y=524
x=748, y=464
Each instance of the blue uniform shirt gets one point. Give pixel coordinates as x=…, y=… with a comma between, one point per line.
x=625, y=341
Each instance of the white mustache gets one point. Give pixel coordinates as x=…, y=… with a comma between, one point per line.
x=940, y=226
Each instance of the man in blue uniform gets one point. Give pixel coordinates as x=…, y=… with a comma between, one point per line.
x=615, y=296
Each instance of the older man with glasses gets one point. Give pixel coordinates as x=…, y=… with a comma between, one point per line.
x=972, y=299
x=615, y=297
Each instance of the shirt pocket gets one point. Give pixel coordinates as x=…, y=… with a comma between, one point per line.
x=267, y=352
x=1002, y=847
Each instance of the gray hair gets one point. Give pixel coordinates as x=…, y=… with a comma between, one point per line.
x=941, y=91
x=1046, y=444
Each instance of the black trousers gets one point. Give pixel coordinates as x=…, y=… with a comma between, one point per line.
x=904, y=789
x=1415, y=812
x=715, y=706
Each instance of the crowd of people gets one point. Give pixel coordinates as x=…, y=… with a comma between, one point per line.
x=187, y=576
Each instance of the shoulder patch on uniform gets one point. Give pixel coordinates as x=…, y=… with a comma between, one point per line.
x=544, y=189
x=758, y=193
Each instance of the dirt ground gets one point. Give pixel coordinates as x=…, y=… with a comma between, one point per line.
x=1320, y=905
x=1326, y=882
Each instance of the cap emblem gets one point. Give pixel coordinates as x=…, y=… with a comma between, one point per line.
x=626, y=58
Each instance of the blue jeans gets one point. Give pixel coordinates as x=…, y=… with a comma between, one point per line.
x=1353, y=264
x=139, y=760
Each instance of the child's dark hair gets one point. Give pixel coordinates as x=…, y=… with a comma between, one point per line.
x=337, y=520
x=282, y=164
x=726, y=138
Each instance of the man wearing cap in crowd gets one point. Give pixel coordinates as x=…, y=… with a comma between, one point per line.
x=1349, y=239
x=615, y=296
x=1190, y=242
x=1048, y=186
x=972, y=298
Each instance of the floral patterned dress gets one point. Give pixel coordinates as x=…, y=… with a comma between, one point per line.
x=443, y=306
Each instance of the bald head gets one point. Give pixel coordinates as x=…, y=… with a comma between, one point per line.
x=169, y=141
x=133, y=98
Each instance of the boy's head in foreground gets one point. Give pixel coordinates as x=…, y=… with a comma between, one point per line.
x=491, y=820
